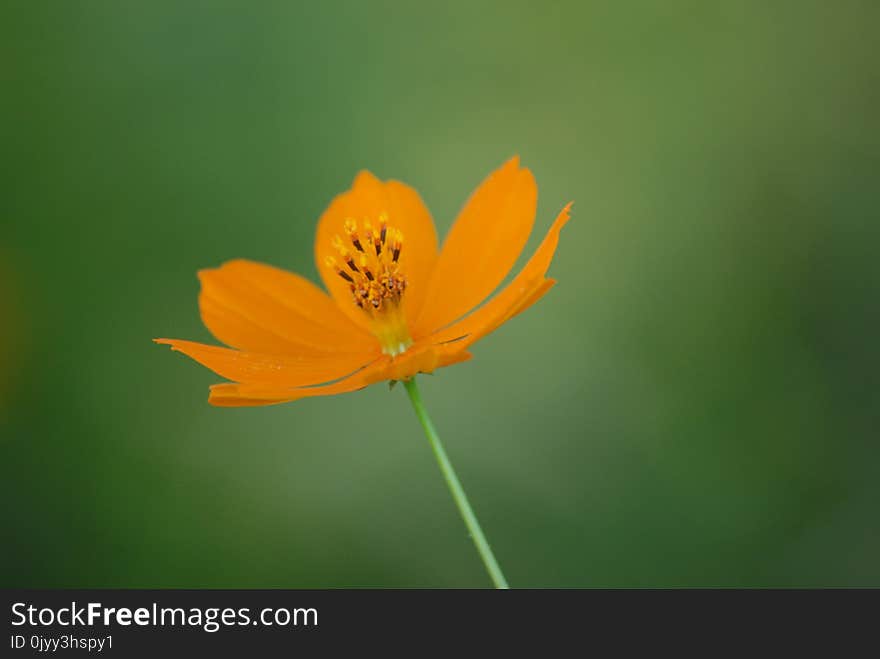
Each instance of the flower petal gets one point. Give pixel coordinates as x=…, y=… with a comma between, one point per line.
x=230, y=394
x=369, y=198
x=524, y=290
x=481, y=247
x=424, y=360
x=275, y=370
x=259, y=308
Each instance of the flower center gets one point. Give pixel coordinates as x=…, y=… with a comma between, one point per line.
x=369, y=260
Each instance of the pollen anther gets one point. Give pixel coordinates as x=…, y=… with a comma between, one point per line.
x=377, y=283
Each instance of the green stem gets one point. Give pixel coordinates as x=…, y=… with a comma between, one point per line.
x=455, y=488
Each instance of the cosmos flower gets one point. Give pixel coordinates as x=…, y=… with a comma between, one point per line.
x=397, y=306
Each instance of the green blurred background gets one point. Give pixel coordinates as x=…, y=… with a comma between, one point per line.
x=695, y=404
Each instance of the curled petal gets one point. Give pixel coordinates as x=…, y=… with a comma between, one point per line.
x=524, y=290
x=481, y=247
x=421, y=360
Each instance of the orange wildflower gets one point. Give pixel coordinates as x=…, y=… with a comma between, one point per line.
x=396, y=306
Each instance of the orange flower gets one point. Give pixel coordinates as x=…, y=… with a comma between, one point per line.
x=397, y=305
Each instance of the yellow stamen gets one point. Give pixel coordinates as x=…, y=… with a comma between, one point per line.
x=377, y=283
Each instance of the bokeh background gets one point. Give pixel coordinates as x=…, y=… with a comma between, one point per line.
x=695, y=404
